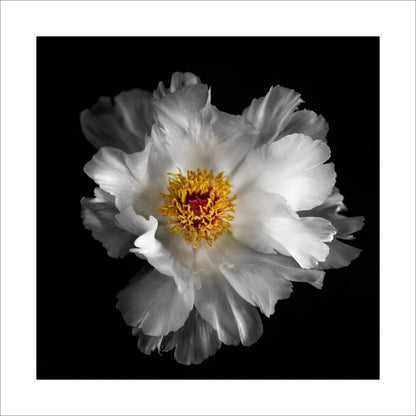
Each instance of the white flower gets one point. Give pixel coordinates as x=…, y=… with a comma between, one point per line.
x=229, y=210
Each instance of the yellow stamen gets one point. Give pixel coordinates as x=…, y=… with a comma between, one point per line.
x=199, y=204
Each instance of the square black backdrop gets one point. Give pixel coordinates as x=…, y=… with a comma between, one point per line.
x=331, y=333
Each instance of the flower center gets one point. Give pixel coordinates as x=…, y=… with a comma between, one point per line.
x=199, y=205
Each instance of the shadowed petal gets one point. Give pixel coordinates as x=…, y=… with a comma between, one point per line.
x=308, y=123
x=123, y=125
x=179, y=80
x=346, y=226
x=340, y=255
x=98, y=216
x=195, y=341
x=146, y=343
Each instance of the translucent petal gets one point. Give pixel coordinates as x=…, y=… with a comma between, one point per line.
x=195, y=341
x=230, y=315
x=154, y=304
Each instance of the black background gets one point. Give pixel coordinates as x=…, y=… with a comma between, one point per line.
x=331, y=333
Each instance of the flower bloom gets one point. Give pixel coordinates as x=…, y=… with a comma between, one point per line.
x=228, y=209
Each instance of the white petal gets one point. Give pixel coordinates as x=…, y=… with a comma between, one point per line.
x=122, y=175
x=231, y=316
x=270, y=114
x=340, y=255
x=98, y=216
x=291, y=167
x=123, y=125
x=303, y=239
x=266, y=223
x=153, y=304
x=172, y=256
x=308, y=123
x=179, y=80
x=152, y=249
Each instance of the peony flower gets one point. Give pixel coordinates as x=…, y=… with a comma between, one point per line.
x=228, y=210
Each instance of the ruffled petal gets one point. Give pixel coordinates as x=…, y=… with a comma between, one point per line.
x=177, y=111
x=270, y=114
x=340, y=255
x=166, y=252
x=153, y=304
x=233, y=138
x=190, y=131
x=308, y=123
x=330, y=209
x=98, y=216
x=291, y=167
x=230, y=315
x=123, y=125
x=122, y=175
x=179, y=80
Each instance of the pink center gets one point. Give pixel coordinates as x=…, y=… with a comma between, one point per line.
x=197, y=202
